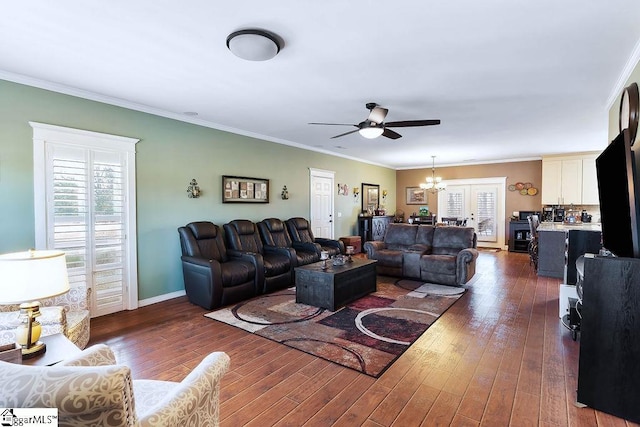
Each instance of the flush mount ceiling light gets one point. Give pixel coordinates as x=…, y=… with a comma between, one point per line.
x=253, y=45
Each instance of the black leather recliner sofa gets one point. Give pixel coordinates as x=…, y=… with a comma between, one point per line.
x=242, y=235
x=213, y=275
x=300, y=231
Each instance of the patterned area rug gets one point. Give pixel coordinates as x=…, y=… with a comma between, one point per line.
x=367, y=335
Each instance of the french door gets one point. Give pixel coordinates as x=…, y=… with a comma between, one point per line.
x=321, y=192
x=83, y=208
x=481, y=203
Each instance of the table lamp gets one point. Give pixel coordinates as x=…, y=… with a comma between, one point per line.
x=26, y=277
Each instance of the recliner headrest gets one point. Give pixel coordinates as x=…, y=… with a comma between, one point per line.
x=274, y=225
x=203, y=230
x=243, y=226
x=299, y=223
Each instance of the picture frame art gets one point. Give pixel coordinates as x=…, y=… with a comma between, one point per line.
x=240, y=189
x=416, y=196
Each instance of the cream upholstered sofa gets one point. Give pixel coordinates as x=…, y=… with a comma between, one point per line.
x=91, y=389
x=66, y=314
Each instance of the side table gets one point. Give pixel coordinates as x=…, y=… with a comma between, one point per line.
x=59, y=348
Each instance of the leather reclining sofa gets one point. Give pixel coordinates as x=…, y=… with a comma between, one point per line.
x=243, y=259
x=434, y=254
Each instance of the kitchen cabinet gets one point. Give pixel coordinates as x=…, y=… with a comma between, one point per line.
x=569, y=180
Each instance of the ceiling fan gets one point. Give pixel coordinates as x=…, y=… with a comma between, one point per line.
x=374, y=125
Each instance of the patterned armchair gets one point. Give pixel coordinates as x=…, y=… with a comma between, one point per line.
x=92, y=389
x=67, y=314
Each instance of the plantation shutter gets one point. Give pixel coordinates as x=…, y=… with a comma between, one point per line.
x=86, y=213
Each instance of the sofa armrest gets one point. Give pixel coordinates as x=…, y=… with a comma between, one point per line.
x=84, y=395
x=253, y=258
x=331, y=243
x=307, y=247
x=288, y=252
x=96, y=355
x=372, y=247
x=193, y=400
x=466, y=265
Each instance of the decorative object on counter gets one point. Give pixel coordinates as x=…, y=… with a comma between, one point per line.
x=238, y=189
x=25, y=278
x=193, y=191
x=434, y=183
x=285, y=193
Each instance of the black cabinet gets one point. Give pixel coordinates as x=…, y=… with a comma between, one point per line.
x=609, y=368
x=519, y=235
x=373, y=227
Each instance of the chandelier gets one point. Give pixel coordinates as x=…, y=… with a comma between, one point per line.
x=434, y=183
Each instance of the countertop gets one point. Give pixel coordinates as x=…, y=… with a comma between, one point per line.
x=561, y=226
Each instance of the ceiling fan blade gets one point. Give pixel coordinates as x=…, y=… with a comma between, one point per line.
x=391, y=134
x=346, y=133
x=334, y=124
x=378, y=114
x=409, y=123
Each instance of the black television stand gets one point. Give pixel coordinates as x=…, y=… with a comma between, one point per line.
x=609, y=364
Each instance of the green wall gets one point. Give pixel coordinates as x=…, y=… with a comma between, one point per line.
x=170, y=153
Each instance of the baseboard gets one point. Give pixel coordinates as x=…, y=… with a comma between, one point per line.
x=160, y=298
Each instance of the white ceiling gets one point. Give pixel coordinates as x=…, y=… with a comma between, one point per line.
x=509, y=79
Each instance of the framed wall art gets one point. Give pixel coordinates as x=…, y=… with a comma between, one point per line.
x=240, y=189
x=416, y=196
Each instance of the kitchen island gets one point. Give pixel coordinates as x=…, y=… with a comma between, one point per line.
x=560, y=245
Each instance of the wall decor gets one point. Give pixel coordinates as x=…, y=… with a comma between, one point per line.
x=240, y=189
x=193, y=190
x=416, y=196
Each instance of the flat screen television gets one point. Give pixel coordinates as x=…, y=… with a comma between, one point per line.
x=617, y=187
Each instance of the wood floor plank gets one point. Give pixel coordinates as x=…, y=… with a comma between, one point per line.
x=498, y=356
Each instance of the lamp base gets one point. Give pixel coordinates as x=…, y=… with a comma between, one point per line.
x=35, y=350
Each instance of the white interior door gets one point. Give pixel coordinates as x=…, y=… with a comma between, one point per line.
x=481, y=203
x=321, y=203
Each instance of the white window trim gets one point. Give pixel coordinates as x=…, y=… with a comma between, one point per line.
x=43, y=133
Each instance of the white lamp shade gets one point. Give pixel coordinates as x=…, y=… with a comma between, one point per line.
x=32, y=275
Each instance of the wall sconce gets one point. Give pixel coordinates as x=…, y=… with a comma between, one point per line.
x=193, y=191
x=356, y=191
x=384, y=196
x=285, y=193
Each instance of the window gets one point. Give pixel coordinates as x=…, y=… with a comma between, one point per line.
x=83, y=182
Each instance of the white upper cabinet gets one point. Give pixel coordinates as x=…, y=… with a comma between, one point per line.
x=569, y=180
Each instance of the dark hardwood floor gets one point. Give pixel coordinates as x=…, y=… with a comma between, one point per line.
x=498, y=357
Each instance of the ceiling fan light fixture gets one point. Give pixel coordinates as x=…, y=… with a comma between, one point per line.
x=371, y=133
x=253, y=44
